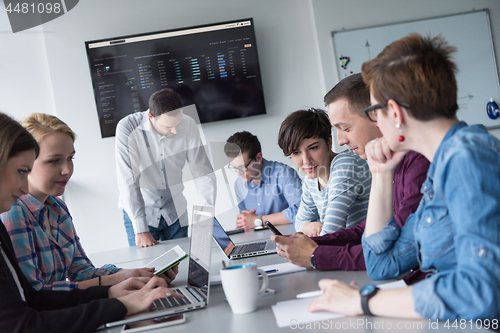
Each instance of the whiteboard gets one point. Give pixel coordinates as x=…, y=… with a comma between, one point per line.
x=470, y=33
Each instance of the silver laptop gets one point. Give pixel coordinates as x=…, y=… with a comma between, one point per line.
x=197, y=288
x=245, y=250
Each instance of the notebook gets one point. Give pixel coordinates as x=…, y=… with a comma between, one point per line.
x=245, y=250
x=197, y=289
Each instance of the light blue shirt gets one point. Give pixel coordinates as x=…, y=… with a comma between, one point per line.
x=455, y=232
x=279, y=190
x=344, y=201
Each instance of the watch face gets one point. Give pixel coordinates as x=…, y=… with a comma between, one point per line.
x=366, y=290
x=258, y=222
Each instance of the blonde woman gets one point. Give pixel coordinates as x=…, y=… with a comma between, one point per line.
x=40, y=225
x=23, y=309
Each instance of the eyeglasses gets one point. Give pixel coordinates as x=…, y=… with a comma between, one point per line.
x=372, y=115
x=240, y=168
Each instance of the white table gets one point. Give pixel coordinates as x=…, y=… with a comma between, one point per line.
x=217, y=317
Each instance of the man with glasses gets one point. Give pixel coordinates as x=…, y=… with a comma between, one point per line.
x=266, y=190
x=355, y=121
x=152, y=148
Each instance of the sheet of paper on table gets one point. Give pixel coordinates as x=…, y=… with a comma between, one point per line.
x=292, y=312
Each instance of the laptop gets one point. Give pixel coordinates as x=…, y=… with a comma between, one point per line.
x=245, y=250
x=197, y=289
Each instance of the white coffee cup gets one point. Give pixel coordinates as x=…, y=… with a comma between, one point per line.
x=241, y=286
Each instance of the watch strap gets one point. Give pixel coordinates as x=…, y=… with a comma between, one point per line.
x=365, y=299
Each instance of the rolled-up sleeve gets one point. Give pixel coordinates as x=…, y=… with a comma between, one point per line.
x=391, y=251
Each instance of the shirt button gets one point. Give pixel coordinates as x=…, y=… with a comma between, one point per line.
x=429, y=220
x=481, y=253
x=431, y=196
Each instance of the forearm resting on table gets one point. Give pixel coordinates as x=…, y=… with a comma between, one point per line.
x=276, y=218
x=394, y=303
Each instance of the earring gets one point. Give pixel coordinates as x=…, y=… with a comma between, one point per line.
x=401, y=137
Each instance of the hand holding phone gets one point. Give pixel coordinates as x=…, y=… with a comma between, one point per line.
x=273, y=228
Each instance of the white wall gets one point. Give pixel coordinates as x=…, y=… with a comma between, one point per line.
x=289, y=64
x=297, y=63
x=337, y=15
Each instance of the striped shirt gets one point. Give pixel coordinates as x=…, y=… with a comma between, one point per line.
x=343, y=203
x=52, y=261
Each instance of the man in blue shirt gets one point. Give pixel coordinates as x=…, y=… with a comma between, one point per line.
x=266, y=190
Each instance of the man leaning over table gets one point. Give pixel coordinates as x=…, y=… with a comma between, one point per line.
x=342, y=250
x=266, y=190
x=152, y=148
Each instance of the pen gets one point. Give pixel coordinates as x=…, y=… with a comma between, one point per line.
x=271, y=270
x=308, y=294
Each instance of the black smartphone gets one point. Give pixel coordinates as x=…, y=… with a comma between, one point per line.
x=273, y=228
x=151, y=324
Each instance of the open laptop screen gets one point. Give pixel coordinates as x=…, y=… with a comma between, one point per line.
x=200, y=248
x=220, y=236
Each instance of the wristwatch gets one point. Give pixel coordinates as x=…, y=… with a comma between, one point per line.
x=313, y=261
x=258, y=221
x=367, y=292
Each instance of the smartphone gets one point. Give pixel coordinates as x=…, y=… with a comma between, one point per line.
x=151, y=324
x=273, y=228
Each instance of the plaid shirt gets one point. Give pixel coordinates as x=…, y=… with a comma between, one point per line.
x=52, y=261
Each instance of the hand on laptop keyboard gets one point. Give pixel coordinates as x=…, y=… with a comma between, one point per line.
x=137, y=295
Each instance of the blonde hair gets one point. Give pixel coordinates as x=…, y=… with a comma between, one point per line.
x=41, y=124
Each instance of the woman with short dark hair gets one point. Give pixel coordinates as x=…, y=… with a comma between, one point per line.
x=336, y=189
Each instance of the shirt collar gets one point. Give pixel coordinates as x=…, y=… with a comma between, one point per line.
x=442, y=146
x=37, y=208
x=264, y=176
x=32, y=204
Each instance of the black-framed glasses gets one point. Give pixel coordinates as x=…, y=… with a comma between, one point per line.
x=372, y=115
x=240, y=168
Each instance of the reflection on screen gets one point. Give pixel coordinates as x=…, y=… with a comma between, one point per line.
x=201, y=247
x=214, y=66
x=222, y=238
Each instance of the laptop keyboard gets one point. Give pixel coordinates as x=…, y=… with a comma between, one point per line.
x=253, y=247
x=169, y=302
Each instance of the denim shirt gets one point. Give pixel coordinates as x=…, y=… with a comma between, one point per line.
x=455, y=232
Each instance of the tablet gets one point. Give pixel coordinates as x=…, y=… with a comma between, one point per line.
x=167, y=260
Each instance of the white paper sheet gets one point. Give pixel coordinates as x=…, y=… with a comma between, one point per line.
x=292, y=312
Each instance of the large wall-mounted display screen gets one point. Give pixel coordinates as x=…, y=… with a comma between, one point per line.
x=213, y=66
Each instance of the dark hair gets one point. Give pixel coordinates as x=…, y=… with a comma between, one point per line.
x=242, y=142
x=163, y=101
x=418, y=71
x=354, y=90
x=14, y=139
x=301, y=125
